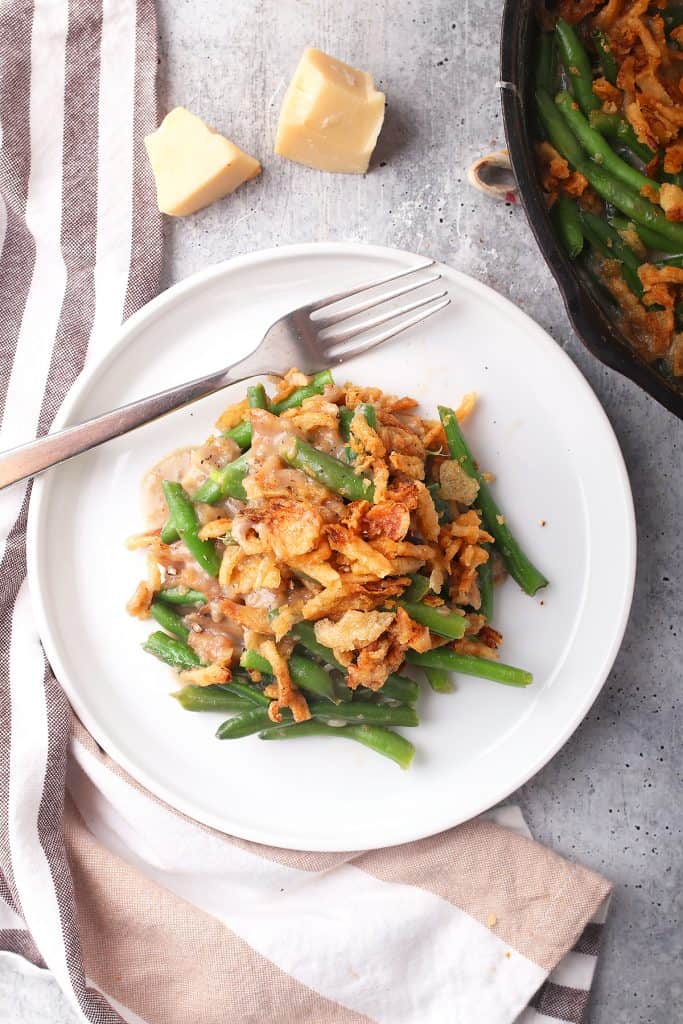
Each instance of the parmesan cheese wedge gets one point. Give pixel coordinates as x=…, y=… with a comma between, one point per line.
x=331, y=115
x=194, y=165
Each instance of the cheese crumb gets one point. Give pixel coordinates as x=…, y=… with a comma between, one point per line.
x=491, y=920
x=331, y=115
x=194, y=165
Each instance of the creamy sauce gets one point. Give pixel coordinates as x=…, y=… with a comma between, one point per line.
x=187, y=466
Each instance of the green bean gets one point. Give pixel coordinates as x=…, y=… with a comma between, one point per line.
x=395, y=687
x=245, y=724
x=256, y=719
x=399, y=688
x=305, y=635
x=599, y=150
x=577, y=65
x=345, y=417
x=485, y=582
x=608, y=62
x=546, y=62
x=649, y=238
x=568, y=226
x=171, y=650
x=444, y=658
x=615, y=246
x=359, y=714
x=257, y=397
x=312, y=678
x=181, y=595
x=614, y=126
x=318, y=383
x=307, y=675
x=620, y=223
x=209, y=698
x=255, y=662
x=249, y=692
x=330, y=472
x=652, y=240
x=439, y=680
x=184, y=517
x=417, y=589
x=224, y=483
x=640, y=210
x=520, y=568
x=670, y=261
x=169, y=620
x=377, y=738
x=240, y=434
x=614, y=192
x=406, y=692
x=367, y=410
x=169, y=534
x=603, y=237
x=438, y=620
x=557, y=129
x=365, y=714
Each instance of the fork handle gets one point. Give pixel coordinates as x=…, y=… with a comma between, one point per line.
x=30, y=459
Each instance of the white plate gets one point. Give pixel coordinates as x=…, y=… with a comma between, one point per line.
x=537, y=426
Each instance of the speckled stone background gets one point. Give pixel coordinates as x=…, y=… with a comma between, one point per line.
x=612, y=798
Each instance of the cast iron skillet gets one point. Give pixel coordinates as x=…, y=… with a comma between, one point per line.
x=589, y=314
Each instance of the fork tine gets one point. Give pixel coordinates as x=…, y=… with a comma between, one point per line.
x=363, y=304
x=390, y=332
x=353, y=330
x=314, y=307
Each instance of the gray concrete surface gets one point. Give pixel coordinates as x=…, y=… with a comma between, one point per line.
x=612, y=798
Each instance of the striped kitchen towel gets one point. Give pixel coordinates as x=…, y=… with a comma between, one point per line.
x=141, y=914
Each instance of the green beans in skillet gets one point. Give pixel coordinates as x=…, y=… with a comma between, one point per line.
x=599, y=150
x=613, y=126
x=566, y=216
x=609, y=242
x=613, y=89
x=608, y=62
x=642, y=211
x=577, y=65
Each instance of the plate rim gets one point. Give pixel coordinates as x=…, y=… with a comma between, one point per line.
x=121, y=337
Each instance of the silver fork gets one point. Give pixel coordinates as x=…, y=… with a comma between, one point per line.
x=308, y=338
